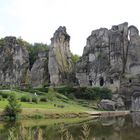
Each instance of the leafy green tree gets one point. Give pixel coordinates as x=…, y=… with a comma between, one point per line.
x=34, y=50
x=75, y=58
x=13, y=108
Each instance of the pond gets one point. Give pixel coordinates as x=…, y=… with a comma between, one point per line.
x=107, y=128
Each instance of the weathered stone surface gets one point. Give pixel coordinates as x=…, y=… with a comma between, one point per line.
x=60, y=64
x=135, y=118
x=116, y=103
x=39, y=71
x=14, y=62
x=135, y=101
x=119, y=103
x=104, y=57
x=107, y=104
x=111, y=58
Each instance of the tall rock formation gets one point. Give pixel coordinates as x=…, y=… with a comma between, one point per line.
x=39, y=71
x=111, y=58
x=104, y=57
x=14, y=62
x=60, y=64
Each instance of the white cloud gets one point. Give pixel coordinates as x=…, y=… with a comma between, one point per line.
x=36, y=20
x=1, y=28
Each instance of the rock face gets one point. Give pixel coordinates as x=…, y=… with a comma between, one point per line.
x=116, y=103
x=39, y=71
x=119, y=103
x=53, y=66
x=104, y=57
x=107, y=105
x=60, y=64
x=135, y=118
x=135, y=101
x=14, y=62
x=111, y=58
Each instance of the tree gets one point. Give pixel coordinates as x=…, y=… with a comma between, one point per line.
x=75, y=58
x=13, y=108
x=34, y=50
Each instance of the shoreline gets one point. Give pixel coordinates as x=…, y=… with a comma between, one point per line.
x=36, y=113
x=109, y=113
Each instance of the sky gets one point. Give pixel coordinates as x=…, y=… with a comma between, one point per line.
x=37, y=20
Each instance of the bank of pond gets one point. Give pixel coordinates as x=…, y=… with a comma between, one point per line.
x=93, y=128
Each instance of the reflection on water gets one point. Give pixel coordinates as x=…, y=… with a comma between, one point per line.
x=110, y=128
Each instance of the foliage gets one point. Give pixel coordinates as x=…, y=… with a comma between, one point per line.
x=1, y=98
x=13, y=108
x=89, y=93
x=75, y=58
x=43, y=99
x=34, y=50
x=51, y=95
x=36, y=99
x=23, y=43
x=26, y=98
x=2, y=42
x=4, y=94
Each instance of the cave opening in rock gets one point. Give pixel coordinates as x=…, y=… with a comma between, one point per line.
x=111, y=81
x=90, y=82
x=101, y=81
x=130, y=81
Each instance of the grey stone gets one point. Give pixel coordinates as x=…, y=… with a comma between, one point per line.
x=39, y=71
x=119, y=103
x=135, y=118
x=111, y=58
x=103, y=57
x=135, y=100
x=107, y=104
x=14, y=63
x=60, y=64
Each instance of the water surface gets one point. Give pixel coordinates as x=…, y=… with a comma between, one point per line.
x=109, y=128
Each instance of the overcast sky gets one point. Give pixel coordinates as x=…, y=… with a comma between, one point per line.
x=37, y=20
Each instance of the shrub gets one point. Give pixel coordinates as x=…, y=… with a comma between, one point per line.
x=1, y=98
x=34, y=50
x=26, y=98
x=71, y=96
x=43, y=99
x=13, y=108
x=51, y=94
x=89, y=93
x=75, y=58
x=102, y=93
x=67, y=91
x=36, y=99
x=45, y=89
x=5, y=94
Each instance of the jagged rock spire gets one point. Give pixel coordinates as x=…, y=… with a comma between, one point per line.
x=60, y=64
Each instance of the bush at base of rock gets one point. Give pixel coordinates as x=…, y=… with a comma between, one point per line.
x=26, y=98
x=36, y=100
x=90, y=93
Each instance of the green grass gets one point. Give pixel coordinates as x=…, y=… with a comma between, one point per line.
x=57, y=103
x=70, y=106
x=3, y=104
x=49, y=107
